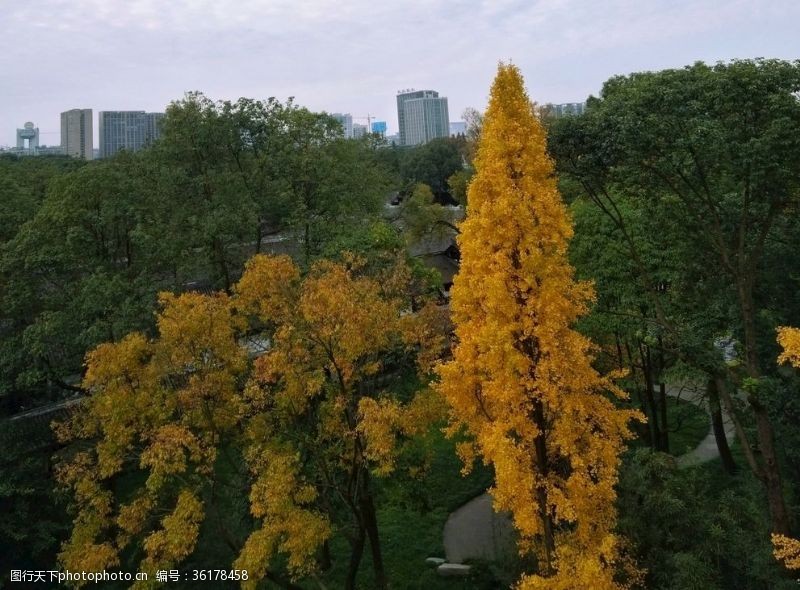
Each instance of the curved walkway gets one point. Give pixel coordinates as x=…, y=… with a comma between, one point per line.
x=707, y=449
x=476, y=531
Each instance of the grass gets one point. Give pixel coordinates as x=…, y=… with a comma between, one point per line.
x=412, y=513
x=412, y=521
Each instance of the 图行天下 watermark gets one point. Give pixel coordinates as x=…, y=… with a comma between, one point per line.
x=50, y=576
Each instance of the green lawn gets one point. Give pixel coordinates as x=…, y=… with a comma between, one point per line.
x=412, y=519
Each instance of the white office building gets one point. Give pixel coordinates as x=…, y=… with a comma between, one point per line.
x=77, y=136
x=422, y=115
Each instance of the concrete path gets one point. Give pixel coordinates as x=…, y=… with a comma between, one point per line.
x=707, y=449
x=475, y=531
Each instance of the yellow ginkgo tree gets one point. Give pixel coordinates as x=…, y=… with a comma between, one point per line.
x=521, y=384
x=300, y=429
x=157, y=412
x=787, y=549
x=319, y=426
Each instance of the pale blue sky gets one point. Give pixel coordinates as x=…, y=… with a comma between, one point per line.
x=353, y=55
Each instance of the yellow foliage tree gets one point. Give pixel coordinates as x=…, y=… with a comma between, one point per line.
x=786, y=549
x=318, y=420
x=312, y=427
x=789, y=339
x=521, y=382
x=159, y=407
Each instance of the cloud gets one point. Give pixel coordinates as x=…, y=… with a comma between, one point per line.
x=352, y=55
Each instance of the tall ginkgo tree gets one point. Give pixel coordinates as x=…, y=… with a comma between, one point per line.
x=521, y=384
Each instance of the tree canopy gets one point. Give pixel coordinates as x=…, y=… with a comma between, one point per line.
x=521, y=383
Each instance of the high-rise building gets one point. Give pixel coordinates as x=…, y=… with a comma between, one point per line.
x=402, y=97
x=359, y=130
x=127, y=130
x=77, y=135
x=28, y=137
x=346, y=121
x=422, y=115
x=153, y=123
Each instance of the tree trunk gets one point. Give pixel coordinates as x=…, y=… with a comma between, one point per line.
x=744, y=442
x=356, y=551
x=747, y=308
x=620, y=360
x=219, y=251
x=662, y=400
x=370, y=520
x=772, y=474
x=645, y=430
x=662, y=396
x=649, y=386
x=541, y=492
x=766, y=435
x=325, y=560
x=719, y=427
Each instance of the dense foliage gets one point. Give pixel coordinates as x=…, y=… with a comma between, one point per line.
x=253, y=364
x=521, y=381
x=225, y=181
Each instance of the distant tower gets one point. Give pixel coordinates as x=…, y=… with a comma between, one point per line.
x=77, y=133
x=346, y=121
x=422, y=115
x=28, y=137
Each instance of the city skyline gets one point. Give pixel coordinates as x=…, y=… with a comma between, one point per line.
x=139, y=55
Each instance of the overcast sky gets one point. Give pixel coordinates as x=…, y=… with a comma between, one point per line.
x=353, y=55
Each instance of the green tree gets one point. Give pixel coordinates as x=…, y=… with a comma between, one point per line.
x=695, y=529
x=713, y=153
x=319, y=425
x=78, y=273
x=422, y=216
x=433, y=164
